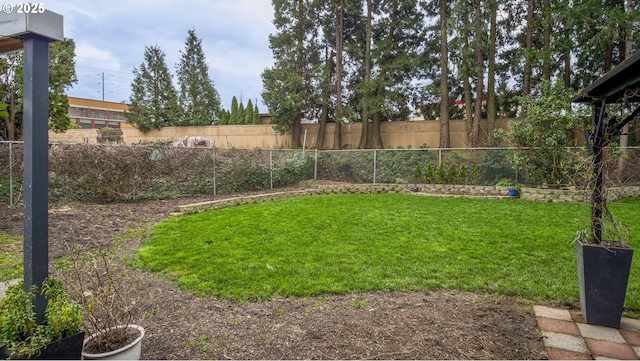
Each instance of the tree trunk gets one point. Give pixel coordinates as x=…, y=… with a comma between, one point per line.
x=297, y=122
x=477, y=116
x=546, y=40
x=624, y=137
x=444, y=75
x=326, y=96
x=528, y=51
x=364, y=136
x=491, y=71
x=466, y=83
x=296, y=132
x=339, y=42
x=10, y=121
x=376, y=139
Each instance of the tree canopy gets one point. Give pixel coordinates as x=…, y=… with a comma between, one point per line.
x=153, y=101
x=381, y=60
x=197, y=96
x=62, y=75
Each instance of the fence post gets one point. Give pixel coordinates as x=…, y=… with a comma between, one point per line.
x=271, y=167
x=214, y=170
x=375, y=160
x=315, y=165
x=439, y=156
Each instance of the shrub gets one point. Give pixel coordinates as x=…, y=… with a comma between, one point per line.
x=462, y=175
x=452, y=176
x=441, y=177
x=475, y=175
x=417, y=175
x=429, y=175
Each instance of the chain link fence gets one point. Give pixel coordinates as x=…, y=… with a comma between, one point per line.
x=115, y=173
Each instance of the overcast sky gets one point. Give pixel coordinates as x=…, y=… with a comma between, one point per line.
x=111, y=35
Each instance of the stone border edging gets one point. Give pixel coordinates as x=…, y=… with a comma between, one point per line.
x=441, y=190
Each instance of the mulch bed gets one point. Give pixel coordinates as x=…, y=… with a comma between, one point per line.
x=391, y=325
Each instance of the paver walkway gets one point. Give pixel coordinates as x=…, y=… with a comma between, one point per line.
x=568, y=337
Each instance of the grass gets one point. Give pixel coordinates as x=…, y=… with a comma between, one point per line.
x=10, y=257
x=350, y=243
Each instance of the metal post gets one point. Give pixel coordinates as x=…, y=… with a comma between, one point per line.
x=375, y=160
x=36, y=166
x=597, y=196
x=271, y=167
x=315, y=165
x=214, y=169
x=10, y=174
x=304, y=142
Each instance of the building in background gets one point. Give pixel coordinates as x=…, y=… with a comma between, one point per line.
x=96, y=114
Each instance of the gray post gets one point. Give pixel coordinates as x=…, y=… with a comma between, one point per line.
x=36, y=166
x=11, y=174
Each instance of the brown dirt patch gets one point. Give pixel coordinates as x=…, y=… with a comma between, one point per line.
x=393, y=325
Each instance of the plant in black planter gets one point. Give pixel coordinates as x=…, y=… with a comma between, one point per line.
x=604, y=260
x=58, y=337
x=97, y=280
x=602, y=256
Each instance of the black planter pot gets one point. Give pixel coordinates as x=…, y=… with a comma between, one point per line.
x=603, y=273
x=68, y=348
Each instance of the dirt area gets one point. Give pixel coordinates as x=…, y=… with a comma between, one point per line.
x=413, y=325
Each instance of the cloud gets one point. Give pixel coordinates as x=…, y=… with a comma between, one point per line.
x=111, y=36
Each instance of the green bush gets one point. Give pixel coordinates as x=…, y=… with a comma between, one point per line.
x=19, y=332
x=475, y=175
x=452, y=176
x=429, y=175
x=441, y=176
x=462, y=176
x=417, y=175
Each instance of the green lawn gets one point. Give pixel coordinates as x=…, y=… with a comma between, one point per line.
x=348, y=243
x=10, y=257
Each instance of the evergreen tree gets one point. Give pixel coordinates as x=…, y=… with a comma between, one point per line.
x=197, y=96
x=224, y=116
x=396, y=58
x=289, y=90
x=256, y=115
x=154, y=103
x=248, y=113
x=233, y=118
x=241, y=113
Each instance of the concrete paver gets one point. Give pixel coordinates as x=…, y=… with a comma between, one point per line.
x=558, y=326
x=565, y=342
x=614, y=350
x=630, y=324
x=632, y=338
x=600, y=333
x=562, y=342
x=555, y=313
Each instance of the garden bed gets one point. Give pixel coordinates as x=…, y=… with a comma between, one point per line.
x=411, y=325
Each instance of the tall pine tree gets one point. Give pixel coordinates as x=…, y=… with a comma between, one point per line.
x=289, y=90
x=197, y=95
x=154, y=103
x=256, y=115
x=248, y=113
x=234, y=116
